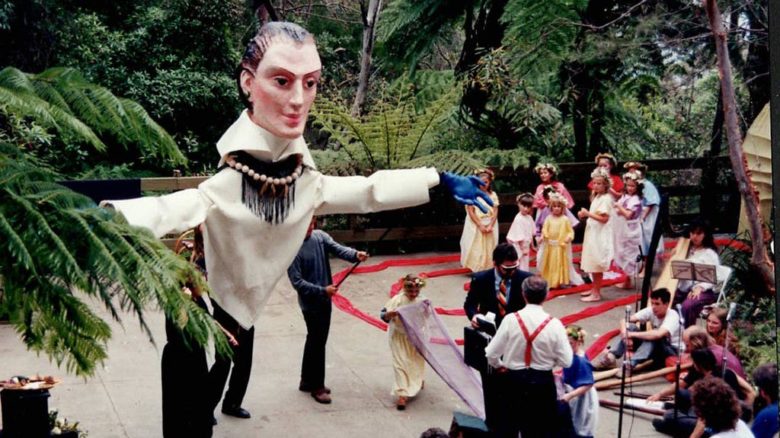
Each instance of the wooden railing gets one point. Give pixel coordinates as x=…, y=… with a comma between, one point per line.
x=679, y=178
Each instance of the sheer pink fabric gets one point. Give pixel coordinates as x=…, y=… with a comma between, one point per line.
x=429, y=335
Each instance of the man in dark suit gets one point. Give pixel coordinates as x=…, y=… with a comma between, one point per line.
x=497, y=290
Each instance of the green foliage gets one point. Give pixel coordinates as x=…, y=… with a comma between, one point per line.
x=540, y=35
x=409, y=29
x=392, y=132
x=57, y=250
x=82, y=113
x=466, y=162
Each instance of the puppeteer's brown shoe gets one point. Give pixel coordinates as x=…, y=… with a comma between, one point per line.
x=401, y=404
x=306, y=388
x=321, y=396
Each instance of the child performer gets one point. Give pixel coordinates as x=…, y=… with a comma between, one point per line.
x=521, y=233
x=480, y=232
x=557, y=234
x=651, y=203
x=628, y=226
x=408, y=364
x=578, y=382
x=597, y=248
x=607, y=162
x=548, y=174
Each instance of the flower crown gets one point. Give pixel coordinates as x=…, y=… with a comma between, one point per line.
x=576, y=332
x=635, y=165
x=551, y=167
x=556, y=198
x=600, y=172
x=413, y=281
x=633, y=176
x=486, y=171
x=606, y=155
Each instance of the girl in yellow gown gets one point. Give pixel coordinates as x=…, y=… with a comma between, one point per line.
x=480, y=230
x=557, y=234
x=408, y=363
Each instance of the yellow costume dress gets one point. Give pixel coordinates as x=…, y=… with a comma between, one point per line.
x=476, y=248
x=557, y=230
x=408, y=363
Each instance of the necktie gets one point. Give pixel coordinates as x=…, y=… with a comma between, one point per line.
x=502, y=297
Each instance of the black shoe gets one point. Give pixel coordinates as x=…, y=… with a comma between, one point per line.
x=236, y=411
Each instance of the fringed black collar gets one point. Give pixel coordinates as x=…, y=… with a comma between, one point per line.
x=267, y=189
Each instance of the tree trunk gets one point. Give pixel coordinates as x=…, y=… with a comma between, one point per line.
x=369, y=15
x=760, y=258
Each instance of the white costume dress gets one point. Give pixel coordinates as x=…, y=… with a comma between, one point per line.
x=246, y=255
x=628, y=234
x=597, y=247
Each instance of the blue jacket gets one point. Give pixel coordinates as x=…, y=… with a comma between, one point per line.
x=310, y=272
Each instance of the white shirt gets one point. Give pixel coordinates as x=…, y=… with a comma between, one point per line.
x=671, y=323
x=549, y=349
x=245, y=255
x=741, y=431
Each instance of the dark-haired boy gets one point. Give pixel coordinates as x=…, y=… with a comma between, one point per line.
x=660, y=342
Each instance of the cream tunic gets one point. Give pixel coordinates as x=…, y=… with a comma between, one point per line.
x=245, y=255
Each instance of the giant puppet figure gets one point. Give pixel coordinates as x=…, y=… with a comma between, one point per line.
x=257, y=207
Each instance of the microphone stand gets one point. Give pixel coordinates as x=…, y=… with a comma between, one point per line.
x=732, y=307
x=679, y=361
x=623, y=375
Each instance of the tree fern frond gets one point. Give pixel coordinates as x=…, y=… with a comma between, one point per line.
x=62, y=100
x=25, y=104
x=393, y=129
x=54, y=252
x=15, y=246
x=158, y=143
x=61, y=262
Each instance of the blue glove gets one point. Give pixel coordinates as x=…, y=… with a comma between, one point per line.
x=466, y=189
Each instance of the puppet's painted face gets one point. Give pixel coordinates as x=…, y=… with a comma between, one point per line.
x=283, y=86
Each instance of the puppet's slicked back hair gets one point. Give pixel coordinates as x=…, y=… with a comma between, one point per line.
x=257, y=46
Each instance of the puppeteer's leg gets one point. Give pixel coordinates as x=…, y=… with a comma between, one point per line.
x=313, y=366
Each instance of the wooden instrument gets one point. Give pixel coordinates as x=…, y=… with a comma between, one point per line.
x=665, y=280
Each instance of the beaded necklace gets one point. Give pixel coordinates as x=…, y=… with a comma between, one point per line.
x=267, y=189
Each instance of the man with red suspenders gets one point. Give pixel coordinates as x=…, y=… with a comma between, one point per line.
x=527, y=346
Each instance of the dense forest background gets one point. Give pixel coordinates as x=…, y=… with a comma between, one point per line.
x=95, y=89
x=494, y=81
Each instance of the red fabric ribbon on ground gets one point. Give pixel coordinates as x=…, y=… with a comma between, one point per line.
x=345, y=305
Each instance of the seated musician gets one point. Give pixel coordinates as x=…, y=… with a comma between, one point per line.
x=658, y=343
x=694, y=295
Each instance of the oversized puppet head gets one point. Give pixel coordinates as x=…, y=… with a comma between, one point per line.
x=278, y=78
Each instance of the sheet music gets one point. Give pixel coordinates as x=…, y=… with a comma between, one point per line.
x=684, y=270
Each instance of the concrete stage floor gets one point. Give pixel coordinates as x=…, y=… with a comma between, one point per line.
x=123, y=399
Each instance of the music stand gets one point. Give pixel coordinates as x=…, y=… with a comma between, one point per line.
x=684, y=270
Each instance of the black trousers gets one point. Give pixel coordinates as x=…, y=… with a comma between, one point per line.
x=313, y=364
x=492, y=384
x=185, y=406
x=242, y=363
x=532, y=404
